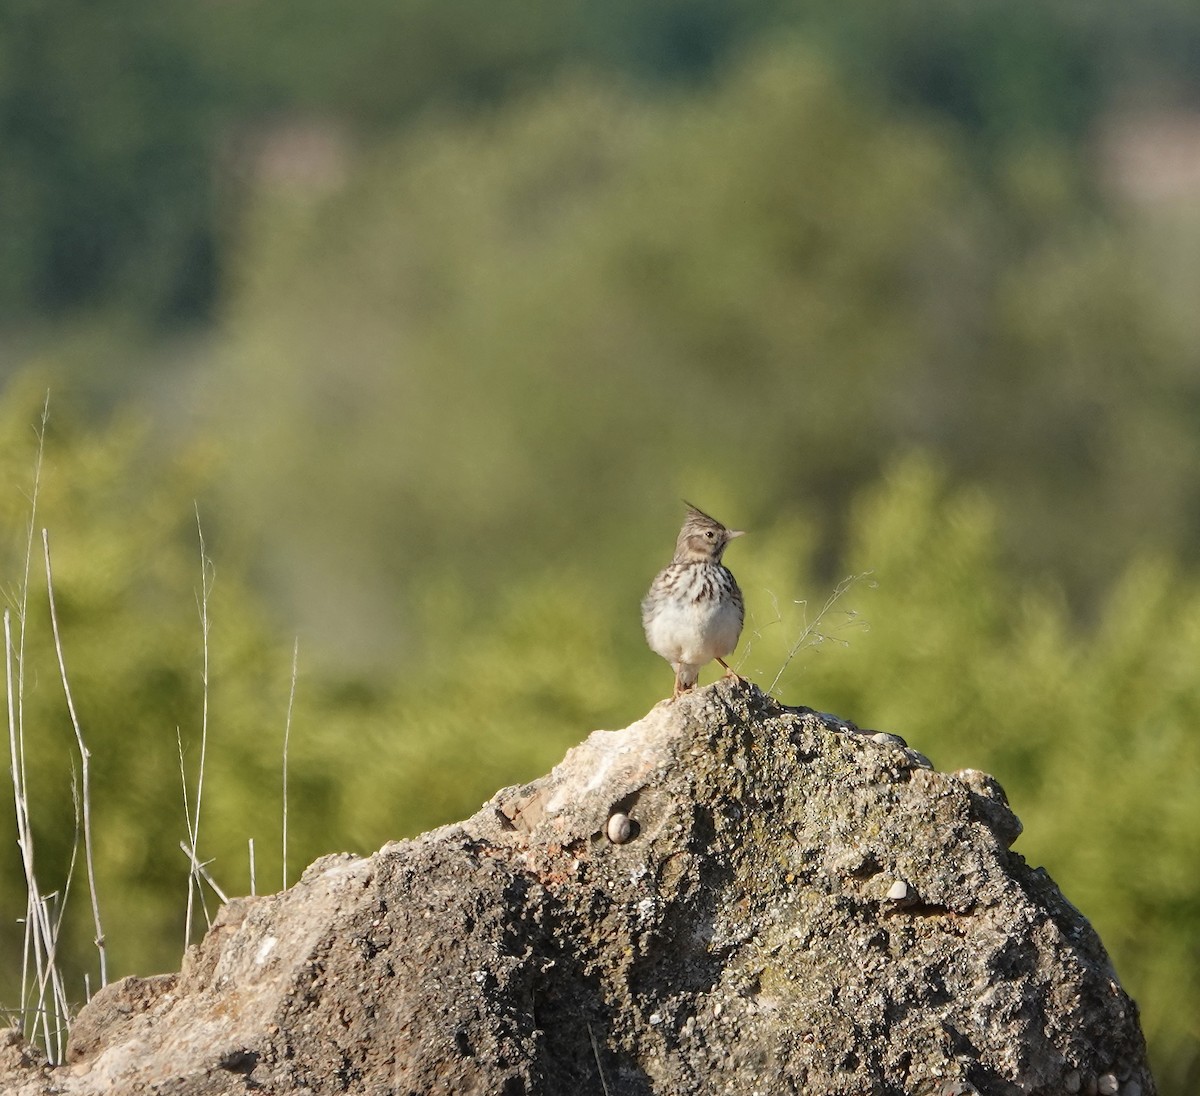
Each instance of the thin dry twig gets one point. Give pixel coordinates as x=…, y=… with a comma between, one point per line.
x=19, y=726
x=814, y=632
x=287, y=733
x=596, y=1053
x=40, y=937
x=200, y=870
x=37, y=932
x=85, y=756
x=187, y=817
x=193, y=814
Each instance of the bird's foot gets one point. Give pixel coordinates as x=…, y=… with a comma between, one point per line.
x=682, y=685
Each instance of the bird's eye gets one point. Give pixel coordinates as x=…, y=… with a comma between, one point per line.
x=708, y=533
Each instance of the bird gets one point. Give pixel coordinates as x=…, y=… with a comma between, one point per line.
x=693, y=612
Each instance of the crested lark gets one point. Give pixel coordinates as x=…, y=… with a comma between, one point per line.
x=694, y=611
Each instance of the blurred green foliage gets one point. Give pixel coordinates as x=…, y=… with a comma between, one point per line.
x=1092, y=734
x=121, y=125
x=767, y=284
x=489, y=289
x=107, y=139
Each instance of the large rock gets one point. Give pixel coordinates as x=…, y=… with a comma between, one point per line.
x=790, y=905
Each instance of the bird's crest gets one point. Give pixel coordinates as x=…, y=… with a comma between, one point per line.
x=695, y=512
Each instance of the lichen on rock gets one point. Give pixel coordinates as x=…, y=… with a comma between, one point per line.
x=794, y=905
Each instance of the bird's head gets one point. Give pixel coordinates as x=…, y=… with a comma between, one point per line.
x=702, y=539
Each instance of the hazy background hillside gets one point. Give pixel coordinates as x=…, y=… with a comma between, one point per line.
x=434, y=312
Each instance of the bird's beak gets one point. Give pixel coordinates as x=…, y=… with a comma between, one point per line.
x=736, y=533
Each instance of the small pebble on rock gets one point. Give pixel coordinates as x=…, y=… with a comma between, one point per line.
x=1107, y=1085
x=898, y=891
x=1072, y=1081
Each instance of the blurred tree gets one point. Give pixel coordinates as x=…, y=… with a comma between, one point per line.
x=120, y=125
x=1002, y=73
x=108, y=160
x=590, y=291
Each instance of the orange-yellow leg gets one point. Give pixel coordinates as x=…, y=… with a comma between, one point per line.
x=731, y=672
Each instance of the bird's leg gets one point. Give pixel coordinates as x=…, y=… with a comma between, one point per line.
x=682, y=685
x=731, y=672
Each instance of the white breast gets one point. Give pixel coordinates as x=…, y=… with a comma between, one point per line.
x=684, y=631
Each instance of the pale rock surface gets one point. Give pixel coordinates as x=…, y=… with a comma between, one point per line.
x=799, y=907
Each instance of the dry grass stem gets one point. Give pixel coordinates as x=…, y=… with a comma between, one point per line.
x=287, y=733
x=85, y=767
x=37, y=946
x=199, y=870
x=596, y=1054
x=193, y=891
x=819, y=629
x=192, y=812
x=50, y=1011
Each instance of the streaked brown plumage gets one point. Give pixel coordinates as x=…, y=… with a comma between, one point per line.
x=693, y=612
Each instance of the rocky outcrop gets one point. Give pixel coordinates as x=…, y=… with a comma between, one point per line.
x=727, y=896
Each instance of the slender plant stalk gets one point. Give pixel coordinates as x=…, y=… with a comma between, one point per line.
x=77, y=804
x=596, y=1055
x=59, y=1003
x=812, y=632
x=187, y=815
x=85, y=756
x=31, y=923
x=33, y=940
x=287, y=733
x=253, y=884
x=40, y=937
x=193, y=816
x=200, y=870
